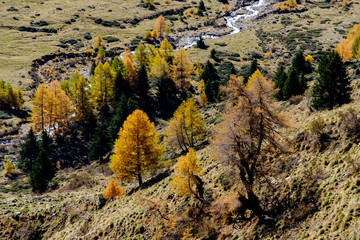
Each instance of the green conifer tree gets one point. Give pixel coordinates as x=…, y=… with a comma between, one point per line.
x=167, y=100
x=253, y=68
x=279, y=79
x=101, y=142
x=293, y=85
x=143, y=90
x=29, y=152
x=211, y=80
x=201, y=8
x=121, y=87
x=92, y=69
x=124, y=107
x=332, y=87
x=42, y=172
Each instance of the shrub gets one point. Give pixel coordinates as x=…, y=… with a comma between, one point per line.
x=8, y=168
x=113, y=190
x=287, y=5
x=81, y=180
x=317, y=126
x=189, y=12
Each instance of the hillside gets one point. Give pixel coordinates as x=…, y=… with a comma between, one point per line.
x=308, y=188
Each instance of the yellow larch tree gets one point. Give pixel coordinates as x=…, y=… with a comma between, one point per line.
x=160, y=26
x=286, y=5
x=349, y=47
x=137, y=148
x=154, y=34
x=102, y=85
x=98, y=42
x=159, y=67
x=101, y=53
x=113, y=190
x=186, y=180
x=198, y=69
x=51, y=109
x=186, y=127
x=58, y=108
x=166, y=49
x=141, y=57
x=8, y=168
x=37, y=115
x=81, y=100
x=151, y=51
x=181, y=70
x=203, y=101
x=309, y=58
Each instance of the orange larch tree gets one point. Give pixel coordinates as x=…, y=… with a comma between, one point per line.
x=160, y=26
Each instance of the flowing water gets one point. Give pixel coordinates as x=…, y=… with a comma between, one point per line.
x=238, y=14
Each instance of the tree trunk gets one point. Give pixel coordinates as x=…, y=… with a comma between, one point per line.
x=140, y=180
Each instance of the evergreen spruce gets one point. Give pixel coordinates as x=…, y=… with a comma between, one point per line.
x=299, y=63
x=143, y=90
x=213, y=54
x=42, y=172
x=201, y=8
x=101, y=142
x=121, y=87
x=253, y=68
x=167, y=100
x=46, y=142
x=294, y=84
x=279, y=79
x=201, y=44
x=29, y=152
x=211, y=80
x=124, y=108
x=92, y=69
x=332, y=87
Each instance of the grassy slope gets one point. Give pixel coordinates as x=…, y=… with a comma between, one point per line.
x=71, y=212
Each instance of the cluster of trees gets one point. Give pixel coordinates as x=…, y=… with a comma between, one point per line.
x=349, y=47
x=51, y=109
x=242, y=140
x=293, y=82
x=35, y=159
x=159, y=30
x=137, y=147
x=157, y=80
x=332, y=86
x=9, y=97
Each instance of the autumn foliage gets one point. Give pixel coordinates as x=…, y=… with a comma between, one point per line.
x=137, y=149
x=51, y=108
x=186, y=180
x=181, y=70
x=287, y=5
x=349, y=47
x=160, y=26
x=8, y=168
x=9, y=97
x=186, y=127
x=248, y=131
x=113, y=190
x=102, y=83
